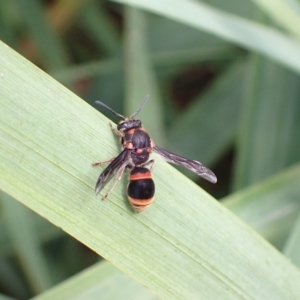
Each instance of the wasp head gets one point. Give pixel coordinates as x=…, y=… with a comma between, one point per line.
x=128, y=124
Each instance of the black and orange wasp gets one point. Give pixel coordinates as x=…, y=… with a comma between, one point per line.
x=136, y=149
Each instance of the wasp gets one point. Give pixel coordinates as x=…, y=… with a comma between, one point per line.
x=135, y=156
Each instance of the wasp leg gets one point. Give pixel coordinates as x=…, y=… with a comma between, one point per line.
x=119, y=175
x=115, y=131
x=151, y=161
x=98, y=163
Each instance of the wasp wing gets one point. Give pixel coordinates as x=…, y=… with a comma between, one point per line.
x=192, y=165
x=120, y=162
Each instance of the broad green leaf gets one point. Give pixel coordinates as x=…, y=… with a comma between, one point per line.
x=245, y=33
x=268, y=207
x=185, y=246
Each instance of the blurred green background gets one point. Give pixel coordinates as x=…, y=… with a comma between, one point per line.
x=224, y=91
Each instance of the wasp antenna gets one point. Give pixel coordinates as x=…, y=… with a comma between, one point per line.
x=142, y=105
x=110, y=109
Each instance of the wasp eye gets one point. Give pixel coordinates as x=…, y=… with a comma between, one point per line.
x=121, y=125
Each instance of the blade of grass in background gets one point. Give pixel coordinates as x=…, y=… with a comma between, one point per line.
x=26, y=245
x=63, y=13
x=139, y=76
x=46, y=40
x=291, y=249
x=4, y=297
x=6, y=32
x=294, y=4
x=243, y=8
x=269, y=134
x=49, y=138
x=282, y=13
x=95, y=21
x=101, y=34
x=211, y=122
x=244, y=33
x=44, y=231
x=12, y=280
x=161, y=60
x=271, y=207
x=101, y=281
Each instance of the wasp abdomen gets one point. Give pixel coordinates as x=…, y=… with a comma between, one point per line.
x=140, y=189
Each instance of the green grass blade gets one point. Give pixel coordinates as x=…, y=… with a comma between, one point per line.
x=210, y=123
x=100, y=29
x=4, y=297
x=44, y=230
x=185, y=246
x=268, y=138
x=26, y=245
x=294, y=4
x=291, y=249
x=139, y=75
x=245, y=33
x=101, y=281
x=44, y=37
x=12, y=279
x=271, y=207
x=282, y=13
